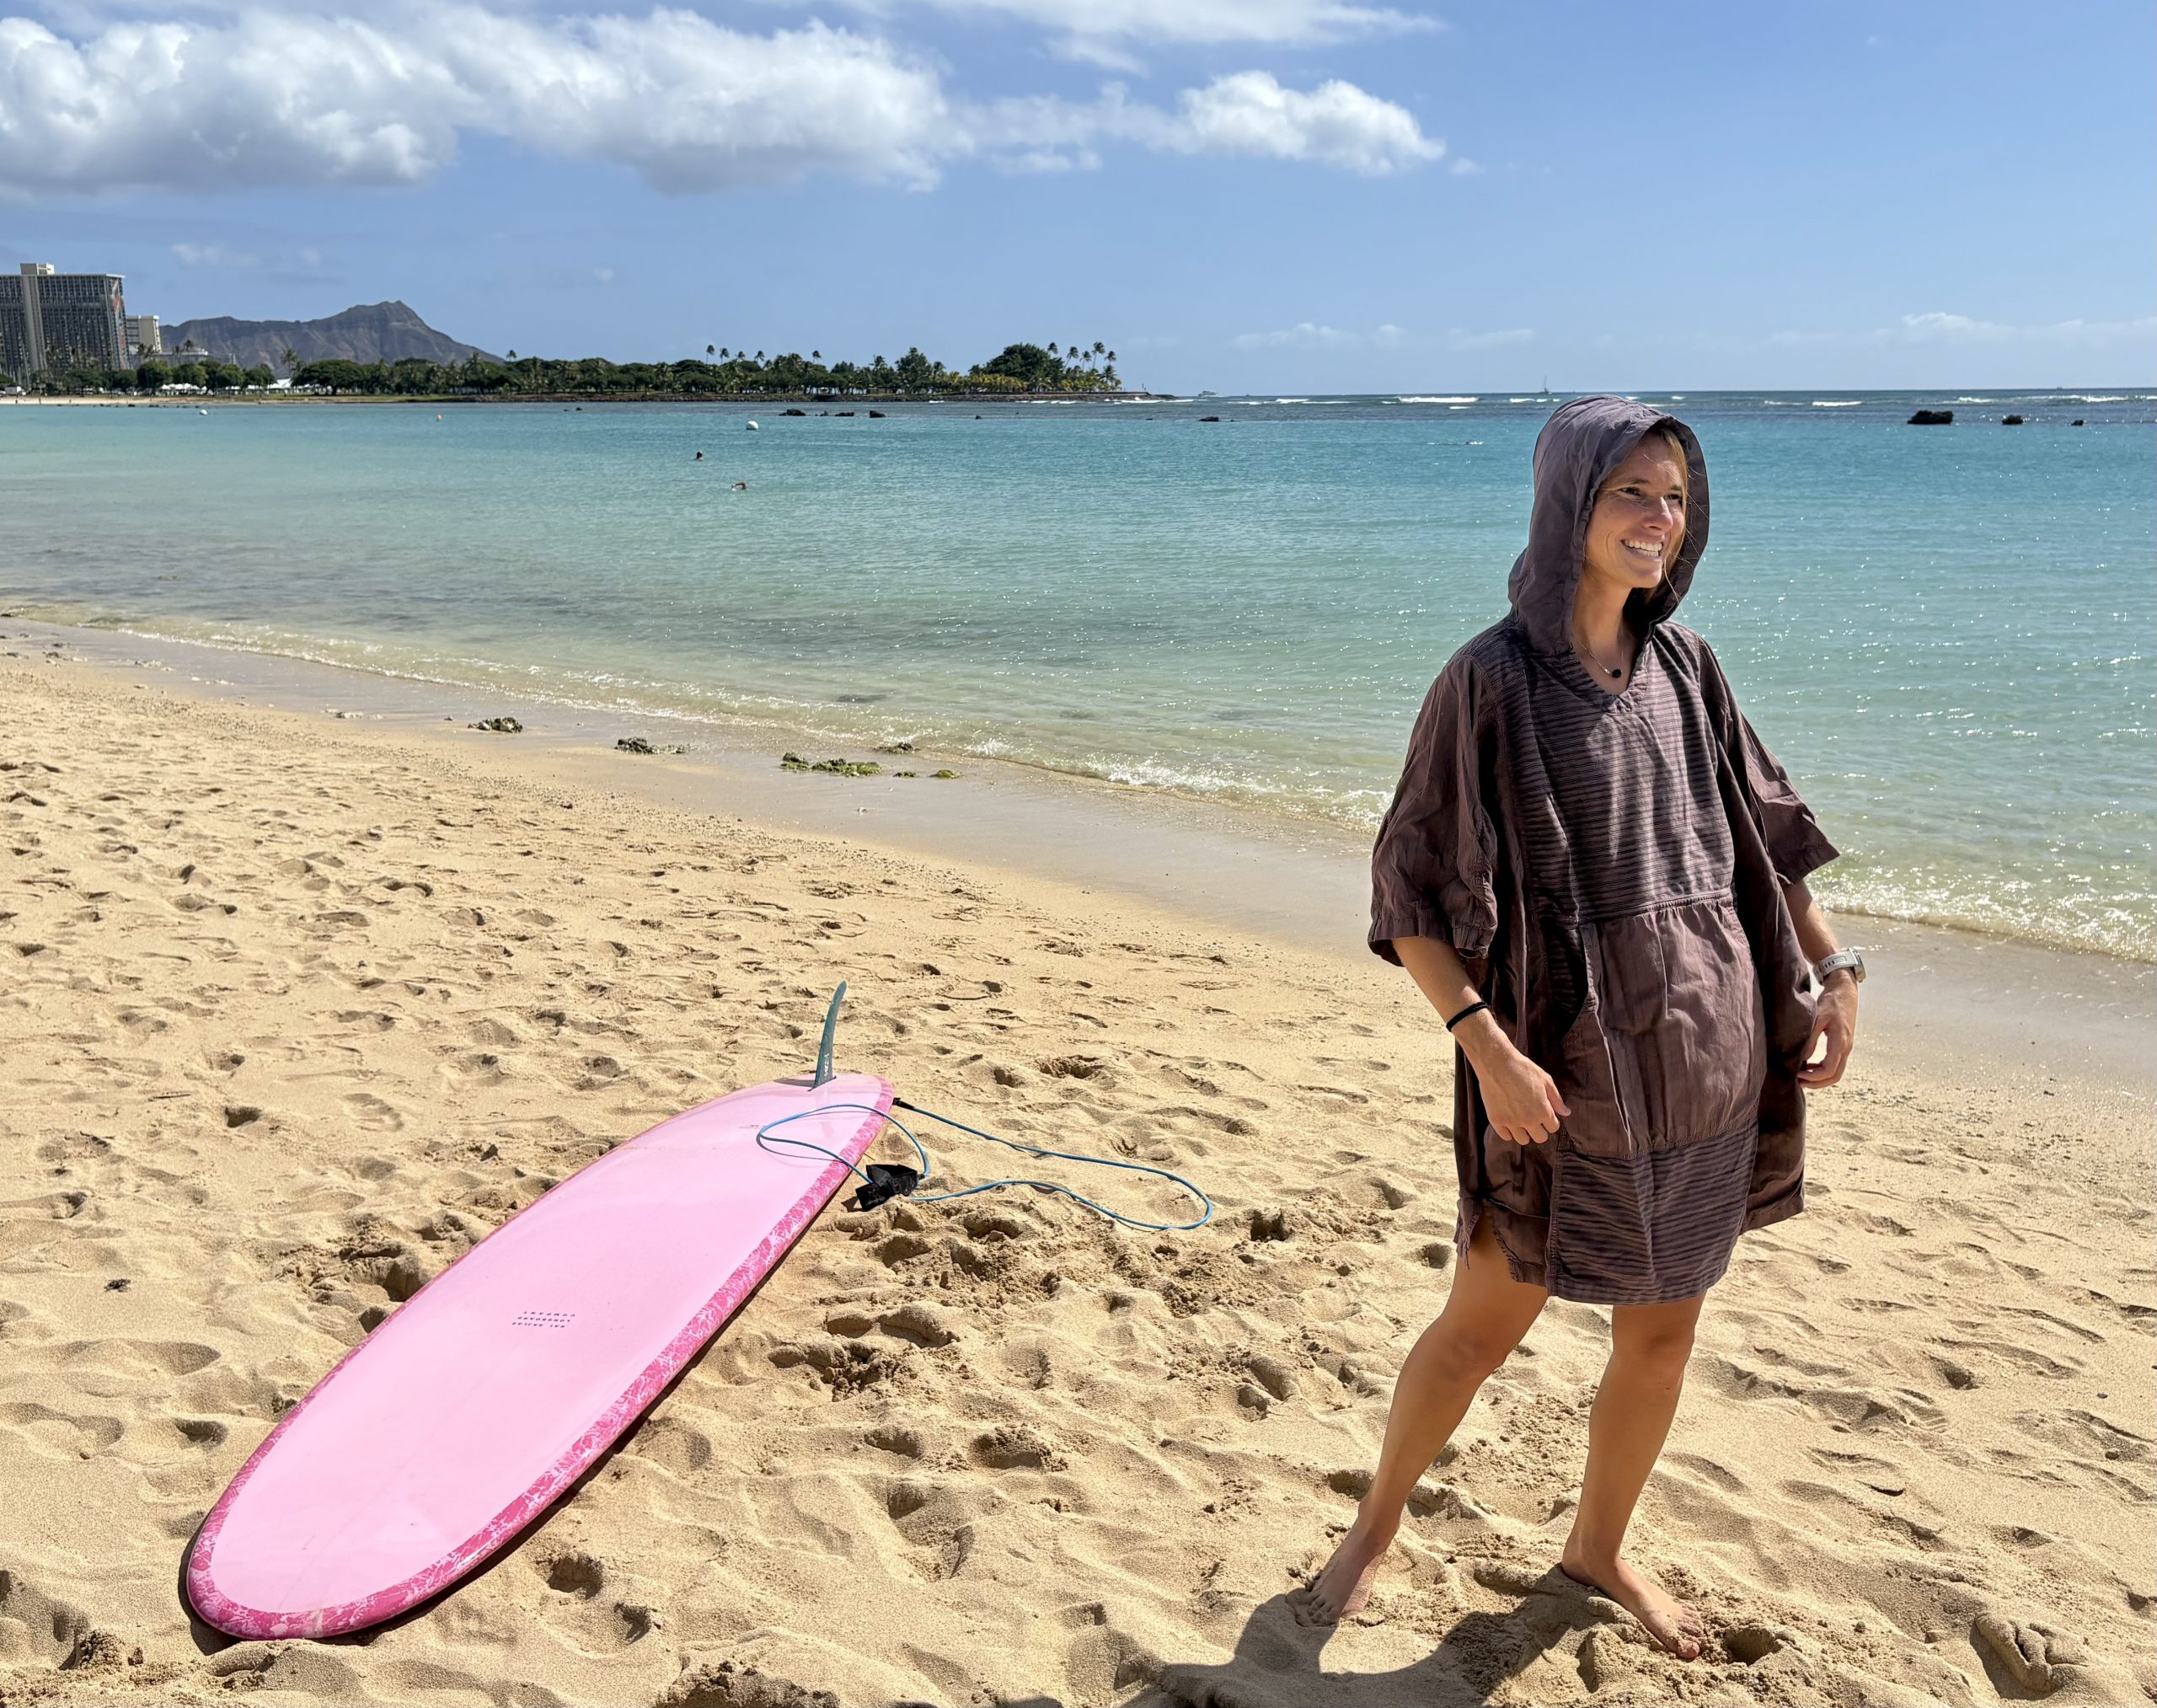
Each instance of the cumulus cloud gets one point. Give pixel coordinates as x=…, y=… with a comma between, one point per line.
x=1249, y=114
x=269, y=99
x=1336, y=123
x=263, y=98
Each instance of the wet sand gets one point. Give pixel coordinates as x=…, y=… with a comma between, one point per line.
x=300, y=1006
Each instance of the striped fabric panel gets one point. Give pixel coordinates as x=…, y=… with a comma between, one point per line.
x=1648, y=1228
x=1632, y=812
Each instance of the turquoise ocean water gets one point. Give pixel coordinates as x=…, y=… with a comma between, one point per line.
x=1948, y=634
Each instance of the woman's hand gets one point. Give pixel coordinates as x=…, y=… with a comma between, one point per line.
x=1834, y=1017
x=1520, y=1099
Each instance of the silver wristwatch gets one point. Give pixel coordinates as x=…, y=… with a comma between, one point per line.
x=1836, y=961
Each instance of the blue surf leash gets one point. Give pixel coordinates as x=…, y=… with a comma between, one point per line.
x=880, y=1181
x=883, y=1180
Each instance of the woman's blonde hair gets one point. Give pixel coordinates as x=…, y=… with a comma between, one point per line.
x=1670, y=436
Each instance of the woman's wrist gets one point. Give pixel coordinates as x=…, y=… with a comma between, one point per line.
x=1482, y=1039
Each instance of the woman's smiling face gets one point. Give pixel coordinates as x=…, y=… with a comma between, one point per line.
x=1639, y=519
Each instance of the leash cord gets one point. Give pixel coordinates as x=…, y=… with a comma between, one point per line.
x=768, y=1137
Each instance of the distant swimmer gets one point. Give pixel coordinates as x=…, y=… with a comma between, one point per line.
x=752, y=427
x=700, y=457
x=741, y=486
x=437, y=418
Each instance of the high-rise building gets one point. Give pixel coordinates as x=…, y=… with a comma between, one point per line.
x=50, y=321
x=143, y=336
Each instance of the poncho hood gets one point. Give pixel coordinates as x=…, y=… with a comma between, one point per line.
x=1584, y=440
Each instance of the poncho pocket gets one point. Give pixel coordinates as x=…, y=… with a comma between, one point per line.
x=1670, y=1048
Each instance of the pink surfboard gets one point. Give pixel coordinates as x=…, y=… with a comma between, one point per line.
x=461, y=1418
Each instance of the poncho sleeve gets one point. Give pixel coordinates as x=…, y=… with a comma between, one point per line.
x=1796, y=842
x=1430, y=871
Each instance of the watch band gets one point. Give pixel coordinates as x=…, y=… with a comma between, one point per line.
x=1835, y=962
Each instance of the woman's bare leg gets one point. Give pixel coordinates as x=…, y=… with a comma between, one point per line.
x=1649, y=1346
x=1487, y=1313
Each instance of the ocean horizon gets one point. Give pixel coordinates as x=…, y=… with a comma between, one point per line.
x=1945, y=633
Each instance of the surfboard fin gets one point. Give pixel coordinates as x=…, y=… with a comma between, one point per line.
x=824, y=1070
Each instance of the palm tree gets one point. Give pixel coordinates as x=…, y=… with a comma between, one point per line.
x=723, y=353
x=1052, y=346
x=512, y=355
x=290, y=357
x=760, y=355
x=816, y=356
x=709, y=352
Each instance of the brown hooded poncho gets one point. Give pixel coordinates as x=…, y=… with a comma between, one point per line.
x=1611, y=870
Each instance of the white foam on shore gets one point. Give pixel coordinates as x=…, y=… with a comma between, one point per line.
x=1837, y=403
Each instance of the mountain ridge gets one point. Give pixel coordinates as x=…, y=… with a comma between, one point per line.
x=365, y=332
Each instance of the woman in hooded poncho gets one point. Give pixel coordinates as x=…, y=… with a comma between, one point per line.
x=1596, y=872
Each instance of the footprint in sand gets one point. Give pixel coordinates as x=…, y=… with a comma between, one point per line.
x=365, y=1110
x=673, y=1445
x=35, y=1628
x=56, y=1434
x=581, y=1612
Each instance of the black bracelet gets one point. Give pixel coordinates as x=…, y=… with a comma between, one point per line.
x=1473, y=1008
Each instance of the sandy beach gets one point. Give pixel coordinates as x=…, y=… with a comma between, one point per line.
x=299, y=1008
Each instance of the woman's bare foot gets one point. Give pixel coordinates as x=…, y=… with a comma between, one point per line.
x=1678, y=1628
x=1343, y=1583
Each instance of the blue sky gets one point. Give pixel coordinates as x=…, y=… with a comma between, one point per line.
x=1285, y=196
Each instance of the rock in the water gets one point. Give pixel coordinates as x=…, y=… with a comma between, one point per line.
x=875, y=415
x=1932, y=418
x=2011, y=420
x=500, y=727
x=794, y=412
x=635, y=744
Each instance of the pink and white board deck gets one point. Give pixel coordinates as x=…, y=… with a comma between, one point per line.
x=460, y=1419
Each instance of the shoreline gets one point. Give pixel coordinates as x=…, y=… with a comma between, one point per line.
x=116, y=400
x=1959, y=1002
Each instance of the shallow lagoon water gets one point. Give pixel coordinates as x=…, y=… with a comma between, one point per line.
x=1947, y=633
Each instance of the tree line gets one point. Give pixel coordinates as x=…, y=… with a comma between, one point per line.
x=721, y=373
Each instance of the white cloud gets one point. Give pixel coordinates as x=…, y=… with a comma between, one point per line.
x=1936, y=326
x=1094, y=29
x=213, y=256
x=1248, y=114
x=1335, y=124
x=1310, y=335
x=263, y=98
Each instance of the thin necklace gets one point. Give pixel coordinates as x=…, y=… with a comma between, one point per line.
x=1618, y=674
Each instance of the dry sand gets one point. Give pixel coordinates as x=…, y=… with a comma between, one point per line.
x=293, y=1013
